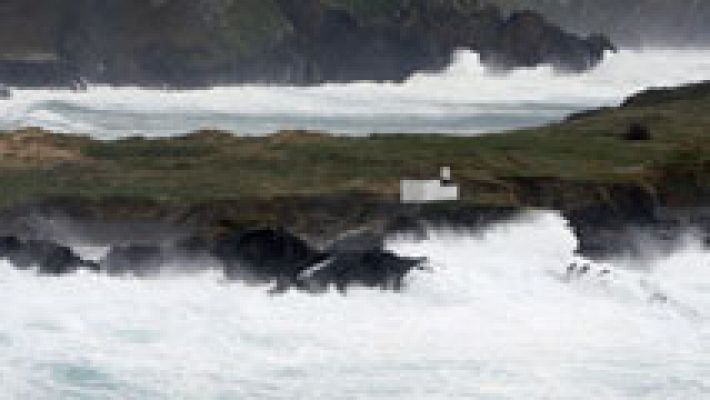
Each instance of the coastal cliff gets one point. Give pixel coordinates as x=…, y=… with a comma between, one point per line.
x=643, y=164
x=189, y=43
x=627, y=22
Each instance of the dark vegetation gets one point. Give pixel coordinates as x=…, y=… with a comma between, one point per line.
x=203, y=42
x=638, y=131
x=567, y=165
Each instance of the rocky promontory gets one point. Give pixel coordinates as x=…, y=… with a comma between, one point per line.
x=311, y=210
x=677, y=23
x=190, y=43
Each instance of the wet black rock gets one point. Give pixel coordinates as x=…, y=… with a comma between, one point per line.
x=47, y=257
x=264, y=256
x=358, y=259
x=269, y=257
x=276, y=256
x=371, y=269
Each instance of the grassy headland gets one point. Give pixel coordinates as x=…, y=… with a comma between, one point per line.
x=582, y=162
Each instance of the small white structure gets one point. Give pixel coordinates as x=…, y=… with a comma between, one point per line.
x=419, y=191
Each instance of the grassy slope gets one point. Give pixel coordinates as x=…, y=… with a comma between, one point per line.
x=576, y=159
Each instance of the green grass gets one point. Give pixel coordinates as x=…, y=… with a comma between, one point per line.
x=579, y=156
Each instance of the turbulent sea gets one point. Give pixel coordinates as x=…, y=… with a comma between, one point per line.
x=465, y=99
x=495, y=317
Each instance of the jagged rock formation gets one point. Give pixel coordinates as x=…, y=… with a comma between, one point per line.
x=627, y=22
x=526, y=39
x=269, y=257
x=47, y=257
x=202, y=42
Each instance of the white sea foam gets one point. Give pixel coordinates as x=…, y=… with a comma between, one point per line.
x=464, y=99
x=493, y=320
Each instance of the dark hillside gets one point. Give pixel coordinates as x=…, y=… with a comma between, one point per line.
x=203, y=42
x=627, y=22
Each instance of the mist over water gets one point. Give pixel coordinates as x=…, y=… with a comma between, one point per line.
x=465, y=99
x=495, y=318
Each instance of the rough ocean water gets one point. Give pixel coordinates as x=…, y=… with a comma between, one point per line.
x=495, y=318
x=464, y=99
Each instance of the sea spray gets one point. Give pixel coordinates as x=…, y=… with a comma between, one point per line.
x=490, y=319
x=464, y=99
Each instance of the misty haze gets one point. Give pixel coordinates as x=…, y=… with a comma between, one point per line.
x=354, y=199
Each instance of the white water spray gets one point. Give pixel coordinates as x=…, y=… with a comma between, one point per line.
x=492, y=320
x=465, y=99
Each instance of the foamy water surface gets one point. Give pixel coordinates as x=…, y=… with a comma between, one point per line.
x=465, y=99
x=494, y=319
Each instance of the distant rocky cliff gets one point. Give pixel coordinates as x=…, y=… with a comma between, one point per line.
x=627, y=22
x=203, y=42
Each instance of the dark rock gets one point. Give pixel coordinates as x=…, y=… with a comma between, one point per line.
x=527, y=39
x=17, y=252
x=276, y=256
x=49, y=258
x=59, y=260
x=9, y=245
x=358, y=259
x=645, y=23
x=372, y=269
x=264, y=256
x=197, y=43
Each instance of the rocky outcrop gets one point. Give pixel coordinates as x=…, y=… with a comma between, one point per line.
x=300, y=252
x=526, y=39
x=275, y=256
x=46, y=257
x=359, y=258
x=268, y=257
x=660, y=186
x=627, y=22
x=203, y=42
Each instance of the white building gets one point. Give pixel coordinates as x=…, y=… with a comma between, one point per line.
x=418, y=191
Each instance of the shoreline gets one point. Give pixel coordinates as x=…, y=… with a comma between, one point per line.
x=318, y=186
x=464, y=100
